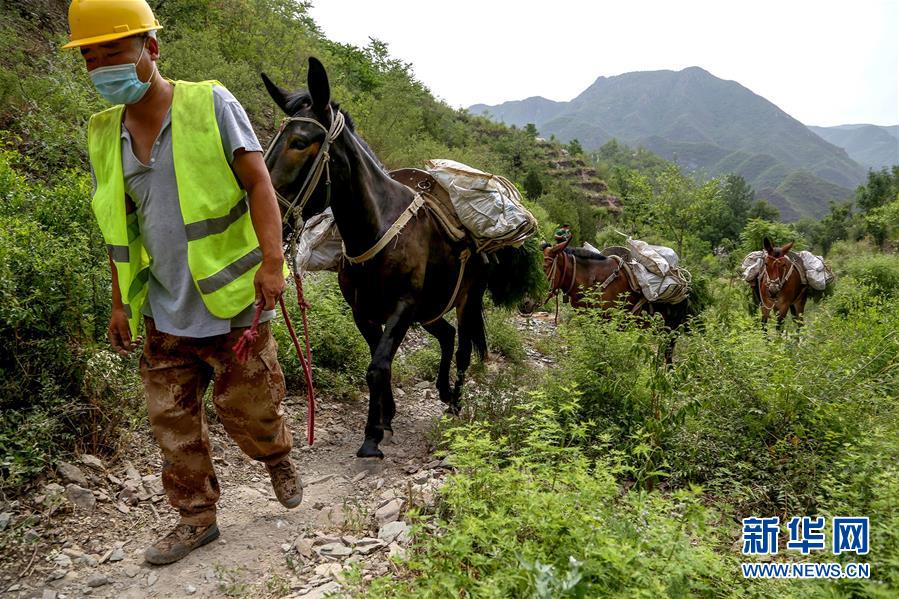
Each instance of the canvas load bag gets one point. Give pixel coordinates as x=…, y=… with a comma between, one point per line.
x=320, y=245
x=656, y=269
x=817, y=273
x=489, y=206
x=752, y=265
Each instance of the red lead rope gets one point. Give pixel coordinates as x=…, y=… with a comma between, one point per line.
x=244, y=346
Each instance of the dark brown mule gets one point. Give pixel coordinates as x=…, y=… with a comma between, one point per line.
x=410, y=280
x=592, y=280
x=779, y=287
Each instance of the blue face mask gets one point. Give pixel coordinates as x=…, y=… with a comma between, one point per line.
x=119, y=84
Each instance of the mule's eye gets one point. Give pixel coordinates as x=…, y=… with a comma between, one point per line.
x=297, y=144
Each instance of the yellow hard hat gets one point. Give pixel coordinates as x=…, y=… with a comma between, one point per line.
x=97, y=21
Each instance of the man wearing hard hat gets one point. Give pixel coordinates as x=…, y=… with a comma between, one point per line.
x=189, y=216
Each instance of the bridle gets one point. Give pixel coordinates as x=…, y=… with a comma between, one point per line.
x=773, y=287
x=562, y=273
x=319, y=164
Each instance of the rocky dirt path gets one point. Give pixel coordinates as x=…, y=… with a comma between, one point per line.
x=92, y=542
x=85, y=534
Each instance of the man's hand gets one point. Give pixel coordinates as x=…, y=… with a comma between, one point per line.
x=120, y=334
x=269, y=283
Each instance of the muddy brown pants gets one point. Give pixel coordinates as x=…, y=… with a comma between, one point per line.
x=176, y=372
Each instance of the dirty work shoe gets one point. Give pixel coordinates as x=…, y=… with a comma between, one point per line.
x=286, y=483
x=183, y=539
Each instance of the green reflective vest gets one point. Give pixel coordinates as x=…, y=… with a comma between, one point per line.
x=222, y=249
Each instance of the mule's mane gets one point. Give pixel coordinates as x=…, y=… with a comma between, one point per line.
x=585, y=254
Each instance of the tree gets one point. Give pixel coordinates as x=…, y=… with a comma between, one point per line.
x=835, y=226
x=882, y=187
x=739, y=197
x=533, y=185
x=531, y=129
x=574, y=147
x=763, y=210
x=674, y=206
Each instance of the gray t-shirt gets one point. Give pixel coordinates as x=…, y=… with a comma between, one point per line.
x=174, y=302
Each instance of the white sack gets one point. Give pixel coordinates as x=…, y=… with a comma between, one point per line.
x=817, y=273
x=587, y=246
x=320, y=246
x=752, y=265
x=669, y=289
x=649, y=256
x=489, y=206
x=655, y=268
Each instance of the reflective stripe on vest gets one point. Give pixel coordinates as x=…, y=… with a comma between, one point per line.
x=222, y=249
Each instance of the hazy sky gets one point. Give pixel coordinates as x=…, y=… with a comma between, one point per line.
x=824, y=62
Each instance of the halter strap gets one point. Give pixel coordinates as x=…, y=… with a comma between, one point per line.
x=319, y=164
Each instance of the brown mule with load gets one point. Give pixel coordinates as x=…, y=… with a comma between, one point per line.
x=782, y=280
x=642, y=279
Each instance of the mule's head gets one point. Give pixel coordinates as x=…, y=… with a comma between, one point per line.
x=300, y=141
x=776, y=265
x=550, y=252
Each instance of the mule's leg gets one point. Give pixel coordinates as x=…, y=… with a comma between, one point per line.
x=782, y=311
x=372, y=333
x=381, y=407
x=446, y=336
x=798, y=309
x=472, y=334
x=669, y=350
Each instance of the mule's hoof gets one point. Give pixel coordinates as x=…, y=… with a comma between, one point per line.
x=369, y=449
x=388, y=437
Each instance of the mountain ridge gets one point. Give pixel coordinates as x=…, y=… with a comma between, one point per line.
x=701, y=122
x=872, y=146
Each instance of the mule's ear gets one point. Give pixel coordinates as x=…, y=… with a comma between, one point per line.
x=786, y=248
x=769, y=247
x=277, y=94
x=319, y=88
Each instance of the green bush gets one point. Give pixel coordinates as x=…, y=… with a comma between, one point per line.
x=879, y=272
x=865, y=482
x=58, y=392
x=502, y=336
x=542, y=519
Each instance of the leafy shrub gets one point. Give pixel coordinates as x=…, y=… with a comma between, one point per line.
x=541, y=519
x=502, y=336
x=879, y=272
x=57, y=392
x=865, y=481
x=424, y=362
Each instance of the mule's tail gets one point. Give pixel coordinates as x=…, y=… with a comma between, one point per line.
x=473, y=326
